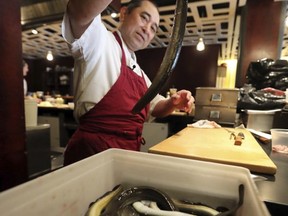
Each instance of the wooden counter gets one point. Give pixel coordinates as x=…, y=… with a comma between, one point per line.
x=215, y=145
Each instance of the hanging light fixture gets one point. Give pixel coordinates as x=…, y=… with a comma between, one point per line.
x=200, y=45
x=34, y=31
x=113, y=15
x=49, y=56
x=111, y=12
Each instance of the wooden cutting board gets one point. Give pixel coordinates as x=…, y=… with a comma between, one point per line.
x=215, y=145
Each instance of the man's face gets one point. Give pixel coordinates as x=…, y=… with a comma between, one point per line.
x=140, y=26
x=25, y=69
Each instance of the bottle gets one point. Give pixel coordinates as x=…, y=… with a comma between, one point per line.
x=168, y=94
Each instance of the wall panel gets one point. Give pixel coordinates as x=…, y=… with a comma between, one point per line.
x=193, y=69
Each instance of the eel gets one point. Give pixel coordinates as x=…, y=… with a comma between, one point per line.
x=141, y=200
x=131, y=195
x=208, y=211
x=233, y=210
x=96, y=207
x=154, y=205
x=146, y=210
x=197, y=209
x=170, y=58
x=128, y=210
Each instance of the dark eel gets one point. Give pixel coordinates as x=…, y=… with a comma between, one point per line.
x=233, y=210
x=200, y=209
x=170, y=57
x=118, y=202
x=121, y=202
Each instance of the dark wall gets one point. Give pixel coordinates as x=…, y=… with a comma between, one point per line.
x=261, y=34
x=13, y=168
x=37, y=69
x=193, y=69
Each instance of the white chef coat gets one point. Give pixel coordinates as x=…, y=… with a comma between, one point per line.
x=25, y=87
x=97, y=56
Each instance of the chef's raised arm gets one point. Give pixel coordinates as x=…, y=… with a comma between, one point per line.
x=82, y=12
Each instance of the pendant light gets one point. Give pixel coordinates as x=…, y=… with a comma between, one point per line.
x=49, y=56
x=113, y=15
x=200, y=45
x=34, y=31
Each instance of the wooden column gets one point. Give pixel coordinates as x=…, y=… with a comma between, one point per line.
x=261, y=34
x=13, y=166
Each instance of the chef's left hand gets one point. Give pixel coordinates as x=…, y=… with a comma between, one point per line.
x=183, y=100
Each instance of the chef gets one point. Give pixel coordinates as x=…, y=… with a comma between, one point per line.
x=25, y=68
x=108, y=82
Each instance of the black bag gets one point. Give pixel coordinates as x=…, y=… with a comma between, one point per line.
x=268, y=73
x=250, y=98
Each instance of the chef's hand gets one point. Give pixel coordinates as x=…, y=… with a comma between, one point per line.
x=183, y=100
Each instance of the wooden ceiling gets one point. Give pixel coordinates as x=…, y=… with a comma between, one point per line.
x=217, y=21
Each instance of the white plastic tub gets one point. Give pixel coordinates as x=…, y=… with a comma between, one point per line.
x=69, y=191
x=279, y=136
x=261, y=120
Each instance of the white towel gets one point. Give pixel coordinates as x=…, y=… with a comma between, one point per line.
x=204, y=124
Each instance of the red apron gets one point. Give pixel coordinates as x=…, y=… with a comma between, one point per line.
x=110, y=123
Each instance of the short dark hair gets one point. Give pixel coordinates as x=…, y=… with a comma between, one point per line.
x=24, y=63
x=137, y=3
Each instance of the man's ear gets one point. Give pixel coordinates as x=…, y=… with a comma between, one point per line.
x=123, y=12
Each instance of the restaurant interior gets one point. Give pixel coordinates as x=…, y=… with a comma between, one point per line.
x=235, y=34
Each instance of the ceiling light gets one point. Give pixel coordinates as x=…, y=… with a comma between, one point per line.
x=49, y=56
x=34, y=31
x=200, y=46
x=113, y=15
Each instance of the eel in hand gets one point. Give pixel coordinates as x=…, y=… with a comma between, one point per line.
x=170, y=58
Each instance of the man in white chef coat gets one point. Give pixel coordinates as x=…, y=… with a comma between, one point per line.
x=108, y=82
